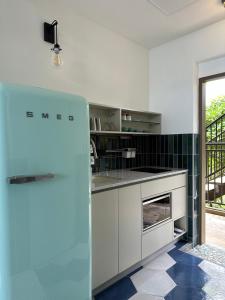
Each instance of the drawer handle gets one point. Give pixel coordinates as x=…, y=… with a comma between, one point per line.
x=146, y=202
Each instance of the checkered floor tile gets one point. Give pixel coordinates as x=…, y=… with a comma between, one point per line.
x=172, y=276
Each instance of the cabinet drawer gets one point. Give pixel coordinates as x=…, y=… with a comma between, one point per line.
x=179, y=202
x=156, y=239
x=159, y=186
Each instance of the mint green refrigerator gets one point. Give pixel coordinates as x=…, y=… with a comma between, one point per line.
x=44, y=195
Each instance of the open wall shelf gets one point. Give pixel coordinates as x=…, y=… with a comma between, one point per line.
x=109, y=117
x=142, y=122
x=123, y=121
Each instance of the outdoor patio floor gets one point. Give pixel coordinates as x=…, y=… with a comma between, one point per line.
x=215, y=230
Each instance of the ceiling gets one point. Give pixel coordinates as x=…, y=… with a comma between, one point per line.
x=150, y=24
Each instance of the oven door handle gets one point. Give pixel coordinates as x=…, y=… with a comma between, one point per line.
x=146, y=202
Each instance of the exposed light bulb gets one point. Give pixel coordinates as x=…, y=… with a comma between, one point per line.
x=57, y=59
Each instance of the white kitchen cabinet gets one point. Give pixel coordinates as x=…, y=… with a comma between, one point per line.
x=159, y=186
x=156, y=238
x=130, y=226
x=117, y=238
x=179, y=203
x=104, y=236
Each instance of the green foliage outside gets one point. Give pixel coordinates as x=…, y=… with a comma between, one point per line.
x=216, y=153
x=215, y=110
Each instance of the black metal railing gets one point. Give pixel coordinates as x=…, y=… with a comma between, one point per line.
x=215, y=164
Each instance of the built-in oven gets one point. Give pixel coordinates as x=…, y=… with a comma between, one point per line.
x=156, y=210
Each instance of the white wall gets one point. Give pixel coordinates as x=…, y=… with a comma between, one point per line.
x=174, y=76
x=98, y=64
x=211, y=67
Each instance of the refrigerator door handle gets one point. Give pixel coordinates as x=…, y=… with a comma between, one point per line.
x=21, y=179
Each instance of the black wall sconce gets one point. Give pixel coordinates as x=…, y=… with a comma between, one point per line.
x=223, y=2
x=51, y=36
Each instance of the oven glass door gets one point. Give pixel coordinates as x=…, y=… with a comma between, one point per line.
x=156, y=210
